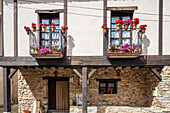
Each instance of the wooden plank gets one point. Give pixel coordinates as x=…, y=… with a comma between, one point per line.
x=65, y=24
x=7, y=90
x=122, y=8
x=13, y=72
x=105, y=21
x=156, y=73
x=50, y=11
x=91, y=73
x=84, y=88
x=15, y=28
x=2, y=29
x=160, y=26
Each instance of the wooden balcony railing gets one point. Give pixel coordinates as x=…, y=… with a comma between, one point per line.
x=47, y=44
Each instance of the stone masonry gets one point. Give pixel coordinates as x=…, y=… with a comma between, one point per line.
x=133, y=90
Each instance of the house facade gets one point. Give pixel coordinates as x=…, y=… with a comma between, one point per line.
x=75, y=71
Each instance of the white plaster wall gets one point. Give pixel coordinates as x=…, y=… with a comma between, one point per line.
x=85, y=36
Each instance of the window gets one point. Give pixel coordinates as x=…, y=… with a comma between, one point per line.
x=108, y=86
x=122, y=36
x=49, y=38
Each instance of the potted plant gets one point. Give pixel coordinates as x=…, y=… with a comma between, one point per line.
x=137, y=48
x=53, y=27
x=104, y=27
x=143, y=28
x=127, y=23
x=58, y=50
x=73, y=102
x=109, y=90
x=27, y=29
x=88, y=103
x=26, y=111
x=42, y=109
x=102, y=91
x=115, y=49
x=64, y=28
x=134, y=23
x=119, y=24
x=130, y=48
x=111, y=49
x=122, y=49
x=34, y=26
x=43, y=26
x=36, y=49
x=45, y=50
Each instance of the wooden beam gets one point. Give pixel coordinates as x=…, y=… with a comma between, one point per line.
x=160, y=27
x=122, y=8
x=104, y=21
x=156, y=73
x=15, y=28
x=2, y=31
x=84, y=88
x=50, y=11
x=7, y=90
x=75, y=70
x=65, y=24
x=91, y=73
x=13, y=72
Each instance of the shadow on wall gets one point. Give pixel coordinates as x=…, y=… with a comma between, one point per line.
x=146, y=44
x=71, y=45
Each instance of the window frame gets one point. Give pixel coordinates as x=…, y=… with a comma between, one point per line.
x=49, y=16
x=121, y=13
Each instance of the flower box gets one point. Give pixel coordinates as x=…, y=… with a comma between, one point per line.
x=47, y=55
x=124, y=55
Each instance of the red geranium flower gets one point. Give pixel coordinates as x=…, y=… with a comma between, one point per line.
x=64, y=27
x=119, y=22
x=53, y=24
x=104, y=25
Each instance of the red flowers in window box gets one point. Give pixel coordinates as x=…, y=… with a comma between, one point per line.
x=134, y=23
x=44, y=26
x=105, y=28
x=53, y=27
x=119, y=24
x=64, y=28
x=143, y=27
x=27, y=30
x=34, y=26
x=53, y=24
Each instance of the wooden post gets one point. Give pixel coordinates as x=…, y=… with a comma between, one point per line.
x=65, y=24
x=84, y=88
x=1, y=35
x=15, y=28
x=160, y=26
x=105, y=21
x=7, y=91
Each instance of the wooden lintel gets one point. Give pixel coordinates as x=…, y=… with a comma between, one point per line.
x=122, y=8
x=50, y=11
x=156, y=73
x=13, y=72
x=75, y=70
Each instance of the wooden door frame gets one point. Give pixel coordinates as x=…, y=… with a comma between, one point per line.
x=57, y=79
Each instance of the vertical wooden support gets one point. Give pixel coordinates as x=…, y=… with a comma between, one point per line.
x=1, y=35
x=65, y=24
x=160, y=26
x=105, y=21
x=15, y=28
x=84, y=88
x=7, y=91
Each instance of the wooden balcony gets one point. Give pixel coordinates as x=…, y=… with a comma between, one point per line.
x=47, y=45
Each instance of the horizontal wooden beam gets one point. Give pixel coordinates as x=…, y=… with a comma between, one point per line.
x=156, y=73
x=90, y=61
x=122, y=8
x=50, y=11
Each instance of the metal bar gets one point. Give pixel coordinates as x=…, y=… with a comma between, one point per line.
x=13, y=72
x=15, y=28
x=84, y=88
x=160, y=26
x=7, y=90
x=75, y=70
x=156, y=73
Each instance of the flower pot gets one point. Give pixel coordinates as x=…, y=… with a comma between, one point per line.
x=63, y=31
x=134, y=26
x=118, y=26
x=126, y=26
x=41, y=111
x=136, y=50
x=101, y=92
x=88, y=104
x=28, y=32
x=110, y=50
x=115, y=50
x=105, y=30
x=36, y=51
x=44, y=28
x=54, y=51
x=34, y=28
x=143, y=30
x=122, y=51
x=58, y=51
x=25, y=111
x=74, y=103
x=108, y=92
x=53, y=28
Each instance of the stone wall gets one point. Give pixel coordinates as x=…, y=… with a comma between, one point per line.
x=134, y=89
